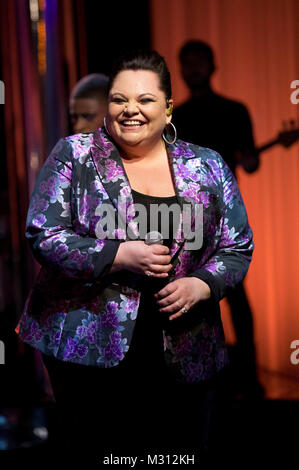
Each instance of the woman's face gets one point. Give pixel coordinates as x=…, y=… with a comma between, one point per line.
x=136, y=109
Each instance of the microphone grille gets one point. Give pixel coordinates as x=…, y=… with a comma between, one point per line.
x=153, y=237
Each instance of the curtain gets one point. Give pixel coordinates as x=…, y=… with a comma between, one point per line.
x=43, y=55
x=256, y=49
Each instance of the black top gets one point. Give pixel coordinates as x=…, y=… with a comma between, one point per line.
x=146, y=349
x=167, y=229
x=146, y=201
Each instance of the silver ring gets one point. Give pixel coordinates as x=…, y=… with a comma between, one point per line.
x=179, y=304
x=184, y=309
x=149, y=273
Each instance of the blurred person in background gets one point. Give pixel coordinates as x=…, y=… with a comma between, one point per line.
x=88, y=103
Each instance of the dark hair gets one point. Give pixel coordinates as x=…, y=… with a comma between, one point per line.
x=94, y=85
x=198, y=47
x=141, y=59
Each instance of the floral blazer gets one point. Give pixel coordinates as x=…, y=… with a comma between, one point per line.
x=79, y=312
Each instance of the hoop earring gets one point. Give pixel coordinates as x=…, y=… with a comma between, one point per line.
x=106, y=126
x=175, y=135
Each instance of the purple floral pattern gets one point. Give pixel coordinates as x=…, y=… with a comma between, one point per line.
x=183, y=150
x=38, y=204
x=198, y=357
x=46, y=336
x=77, y=318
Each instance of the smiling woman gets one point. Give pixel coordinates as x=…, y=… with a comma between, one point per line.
x=115, y=317
x=139, y=109
x=137, y=112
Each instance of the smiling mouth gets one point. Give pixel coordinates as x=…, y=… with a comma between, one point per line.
x=132, y=123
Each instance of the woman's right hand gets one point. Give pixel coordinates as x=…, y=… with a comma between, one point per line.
x=138, y=257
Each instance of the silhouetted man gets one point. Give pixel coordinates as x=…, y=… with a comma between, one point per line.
x=211, y=120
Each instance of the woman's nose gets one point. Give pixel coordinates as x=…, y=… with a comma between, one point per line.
x=131, y=108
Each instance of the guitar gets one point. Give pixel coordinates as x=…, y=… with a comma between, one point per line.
x=286, y=137
x=248, y=159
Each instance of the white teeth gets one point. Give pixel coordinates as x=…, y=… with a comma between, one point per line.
x=132, y=123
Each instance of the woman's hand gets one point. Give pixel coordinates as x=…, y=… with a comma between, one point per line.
x=138, y=257
x=183, y=292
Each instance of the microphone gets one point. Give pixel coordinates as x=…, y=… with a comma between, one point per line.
x=154, y=237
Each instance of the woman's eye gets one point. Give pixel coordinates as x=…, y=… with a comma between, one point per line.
x=118, y=100
x=145, y=100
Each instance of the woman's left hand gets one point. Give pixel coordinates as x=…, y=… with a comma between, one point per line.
x=180, y=293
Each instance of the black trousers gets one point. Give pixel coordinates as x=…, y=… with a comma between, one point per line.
x=135, y=405
x=124, y=411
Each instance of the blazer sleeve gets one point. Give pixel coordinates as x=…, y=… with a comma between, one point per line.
x=227, y=266
x=49, y=227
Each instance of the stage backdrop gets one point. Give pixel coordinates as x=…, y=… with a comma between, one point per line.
x=256, y=47
x=43, y=54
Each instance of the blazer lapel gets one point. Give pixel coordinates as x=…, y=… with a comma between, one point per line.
x=113, y=176
x=186, y=179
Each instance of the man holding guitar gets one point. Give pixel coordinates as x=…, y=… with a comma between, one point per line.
x=211, y=120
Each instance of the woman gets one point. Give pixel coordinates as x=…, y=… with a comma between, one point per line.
x=114, y=315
